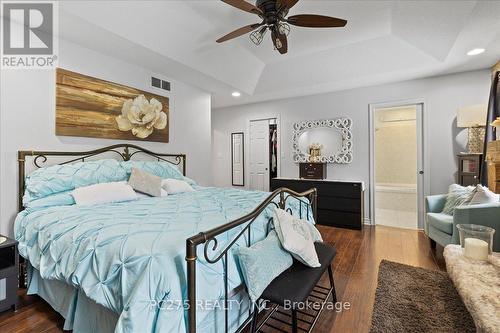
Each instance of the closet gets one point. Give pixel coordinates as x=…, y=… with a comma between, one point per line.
x=273, y=149
x=263, y=153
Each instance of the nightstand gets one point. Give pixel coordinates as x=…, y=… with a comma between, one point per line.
x=9, y=271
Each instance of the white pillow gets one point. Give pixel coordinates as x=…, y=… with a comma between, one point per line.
x=297, y=237
x=484, y=195
x=142, y=195
x=103, y=193
x=173, y=186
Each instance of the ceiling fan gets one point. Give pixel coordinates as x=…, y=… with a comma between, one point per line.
x=273, y=14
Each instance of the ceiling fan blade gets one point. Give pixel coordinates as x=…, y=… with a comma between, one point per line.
x=316, y=21
x=286, y=4
x=239, y=32
x=243, y=5
x=280, y=41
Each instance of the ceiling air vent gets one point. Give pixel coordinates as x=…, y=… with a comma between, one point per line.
x=162, y=84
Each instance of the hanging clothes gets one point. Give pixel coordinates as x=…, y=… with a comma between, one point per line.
x=274, y=149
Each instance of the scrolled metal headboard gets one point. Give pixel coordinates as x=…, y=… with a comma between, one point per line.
x=124, y=151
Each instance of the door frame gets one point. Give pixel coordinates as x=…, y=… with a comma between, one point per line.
x=423, y=183
x=247, y=142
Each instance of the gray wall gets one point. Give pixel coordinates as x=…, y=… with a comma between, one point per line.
x=27, y=118
x=442, y=95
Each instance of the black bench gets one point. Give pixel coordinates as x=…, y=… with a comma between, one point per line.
x=295, y=285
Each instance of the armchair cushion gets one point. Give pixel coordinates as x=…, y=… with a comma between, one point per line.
x=435, y=203
x=441, y=221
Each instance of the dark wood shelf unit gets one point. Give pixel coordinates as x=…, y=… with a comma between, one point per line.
x=469, y=169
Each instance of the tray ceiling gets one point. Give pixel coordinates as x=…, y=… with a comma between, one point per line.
x=384, y=41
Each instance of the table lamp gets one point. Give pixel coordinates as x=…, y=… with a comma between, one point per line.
x=473, y=117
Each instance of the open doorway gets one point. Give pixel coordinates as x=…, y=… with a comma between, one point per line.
x=264, y=153
x=397, y=168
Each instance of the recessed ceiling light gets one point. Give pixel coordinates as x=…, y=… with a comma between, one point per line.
x=236, y=94
x=474, y=52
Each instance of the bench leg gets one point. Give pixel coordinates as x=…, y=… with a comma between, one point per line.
x=294, y=321
x=253, y=325
x=332, y=283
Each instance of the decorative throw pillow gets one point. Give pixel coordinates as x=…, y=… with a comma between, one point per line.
x=297, y=237
x=103, y=193
x=145, y=182
x=261, y=263
x=457, y=196
x=173, y=186
x=484, y=195
x=59, y=178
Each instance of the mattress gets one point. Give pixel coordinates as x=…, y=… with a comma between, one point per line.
x=129, y=258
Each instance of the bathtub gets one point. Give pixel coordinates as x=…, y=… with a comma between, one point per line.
x=396, y=205
x=395, y=188
x=401, y=197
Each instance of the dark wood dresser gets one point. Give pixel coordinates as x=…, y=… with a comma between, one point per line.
x=340, y=203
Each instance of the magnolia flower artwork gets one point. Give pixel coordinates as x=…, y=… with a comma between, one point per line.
x=95, y=108
x=141, y=116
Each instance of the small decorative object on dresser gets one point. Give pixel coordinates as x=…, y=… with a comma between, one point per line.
x=9, y=268
x=469, y=169
x=340, y=203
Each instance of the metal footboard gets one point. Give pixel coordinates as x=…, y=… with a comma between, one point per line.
x=208, y=239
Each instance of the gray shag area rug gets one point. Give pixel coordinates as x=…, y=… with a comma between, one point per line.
x=412, y=299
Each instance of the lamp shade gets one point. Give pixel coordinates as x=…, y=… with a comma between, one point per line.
x=472, y=116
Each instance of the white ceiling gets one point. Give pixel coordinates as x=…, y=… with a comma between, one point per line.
x=384, y=41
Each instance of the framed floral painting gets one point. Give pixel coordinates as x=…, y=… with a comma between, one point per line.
x=90, y=107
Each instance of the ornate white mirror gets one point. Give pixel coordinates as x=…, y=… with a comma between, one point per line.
x=329, y=141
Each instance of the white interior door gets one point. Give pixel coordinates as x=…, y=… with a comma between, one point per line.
x=420, y=166
x=259, y=155
x=398, y=183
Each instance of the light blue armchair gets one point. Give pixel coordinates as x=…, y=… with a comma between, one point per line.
x=442, y=228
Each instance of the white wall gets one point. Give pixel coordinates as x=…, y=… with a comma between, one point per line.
x=27, y=118
x=443, y=95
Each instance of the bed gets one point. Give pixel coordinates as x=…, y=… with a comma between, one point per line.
x=150, y=265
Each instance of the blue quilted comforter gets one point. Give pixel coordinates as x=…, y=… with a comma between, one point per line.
x=130, y=256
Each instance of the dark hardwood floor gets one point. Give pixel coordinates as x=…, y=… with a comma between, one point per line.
x=355, y=268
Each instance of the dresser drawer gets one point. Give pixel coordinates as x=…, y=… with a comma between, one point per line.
x=343, y=190
x=351, y=205
x=339, y=219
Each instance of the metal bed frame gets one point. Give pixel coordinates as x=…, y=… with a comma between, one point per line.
x=278, y=198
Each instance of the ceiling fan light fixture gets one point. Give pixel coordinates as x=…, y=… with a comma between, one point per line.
x=278, y=44
x=258, y=36
x=284, y=28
